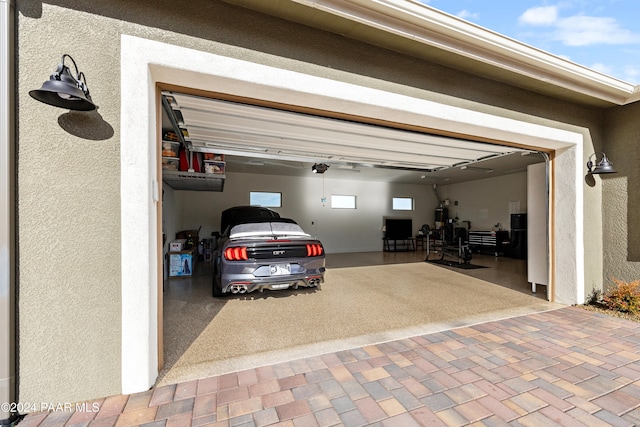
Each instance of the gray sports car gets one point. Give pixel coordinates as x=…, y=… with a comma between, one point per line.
x=259, y=250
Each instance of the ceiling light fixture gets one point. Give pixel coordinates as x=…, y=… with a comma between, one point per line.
x=476, y=169
x=604, y=166
x=319, y=168
x=65, y=90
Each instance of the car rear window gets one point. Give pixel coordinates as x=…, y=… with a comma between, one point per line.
x=266, y=229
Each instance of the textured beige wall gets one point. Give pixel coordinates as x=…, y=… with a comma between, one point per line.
x=68, y=213
x=621, y=197
x=68, y=163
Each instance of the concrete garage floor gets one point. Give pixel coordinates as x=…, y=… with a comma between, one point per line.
x=367, y=298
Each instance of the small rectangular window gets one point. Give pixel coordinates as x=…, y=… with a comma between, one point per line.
x=402, y=204
x=343, y=202
x=265, y=199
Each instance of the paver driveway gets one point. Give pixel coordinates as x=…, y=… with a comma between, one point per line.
x=568, y=367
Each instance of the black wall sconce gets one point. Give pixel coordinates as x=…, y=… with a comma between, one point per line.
x=319, y=168
x=65, y=90
x=604, y=166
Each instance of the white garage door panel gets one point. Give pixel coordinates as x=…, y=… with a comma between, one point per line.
x=220, y=125
x=316, y=149
x=332, y=141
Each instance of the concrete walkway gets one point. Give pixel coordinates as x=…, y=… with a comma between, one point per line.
x=567, y=367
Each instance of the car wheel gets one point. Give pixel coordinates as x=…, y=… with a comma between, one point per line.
x=215, y=285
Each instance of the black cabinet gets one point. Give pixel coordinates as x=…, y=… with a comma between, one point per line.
x=518, y=245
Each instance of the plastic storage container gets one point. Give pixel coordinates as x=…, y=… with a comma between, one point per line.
x=170, y=148
x=170, y=163
x=213, y=167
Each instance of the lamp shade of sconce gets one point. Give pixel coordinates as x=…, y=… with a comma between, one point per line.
x=319, y=168
x=604, y=166
x=65, y=90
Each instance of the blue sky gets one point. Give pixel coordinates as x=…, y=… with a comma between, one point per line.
x=600, y=34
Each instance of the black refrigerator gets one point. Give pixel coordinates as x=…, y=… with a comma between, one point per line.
x=518, y=237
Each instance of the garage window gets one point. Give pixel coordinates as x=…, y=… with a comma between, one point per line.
x=343, y=202
x=402, y=204
x=265, y=199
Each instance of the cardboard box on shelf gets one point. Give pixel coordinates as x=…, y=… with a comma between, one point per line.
x=177, y=245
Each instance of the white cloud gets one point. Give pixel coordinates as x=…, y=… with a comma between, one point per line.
x=602, y=68
x=465, y=14
x=631, y=73
x=588, y=30
x=578, y=30
x=543, y=15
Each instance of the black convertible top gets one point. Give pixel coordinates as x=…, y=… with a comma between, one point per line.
x=248, y=214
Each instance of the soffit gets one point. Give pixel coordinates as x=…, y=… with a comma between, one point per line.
x=415, y=29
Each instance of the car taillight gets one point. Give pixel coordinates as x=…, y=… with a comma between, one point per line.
x=314, y=249
x=236, y=253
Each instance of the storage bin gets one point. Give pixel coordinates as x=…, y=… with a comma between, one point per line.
x=214, y=157
x=170, y=148
x=213, y=167
x=170, y=163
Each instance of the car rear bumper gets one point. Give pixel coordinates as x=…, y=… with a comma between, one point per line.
x=243, y=277
x=240, y=286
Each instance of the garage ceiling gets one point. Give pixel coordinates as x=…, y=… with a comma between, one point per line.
x=265, y=140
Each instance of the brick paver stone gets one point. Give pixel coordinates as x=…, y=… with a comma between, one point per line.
x=566, y=367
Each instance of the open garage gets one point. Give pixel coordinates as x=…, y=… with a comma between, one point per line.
x=378, y=286
x=264, y=86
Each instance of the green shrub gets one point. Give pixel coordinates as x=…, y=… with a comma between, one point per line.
x=624, y=296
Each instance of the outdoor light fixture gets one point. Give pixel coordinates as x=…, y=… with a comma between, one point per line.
x=604, y=166
x=65, y=90
x=319, y=168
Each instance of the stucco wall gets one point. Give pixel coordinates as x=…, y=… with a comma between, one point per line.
x=68, y=213
x=621, y=197
x=68, y=163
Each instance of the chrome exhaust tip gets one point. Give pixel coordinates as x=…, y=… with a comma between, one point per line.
x=238, y=289
x=313, y=283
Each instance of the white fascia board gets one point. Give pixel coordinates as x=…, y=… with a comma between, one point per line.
x=416, y=21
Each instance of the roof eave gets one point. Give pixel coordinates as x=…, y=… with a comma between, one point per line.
x=412, y=20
